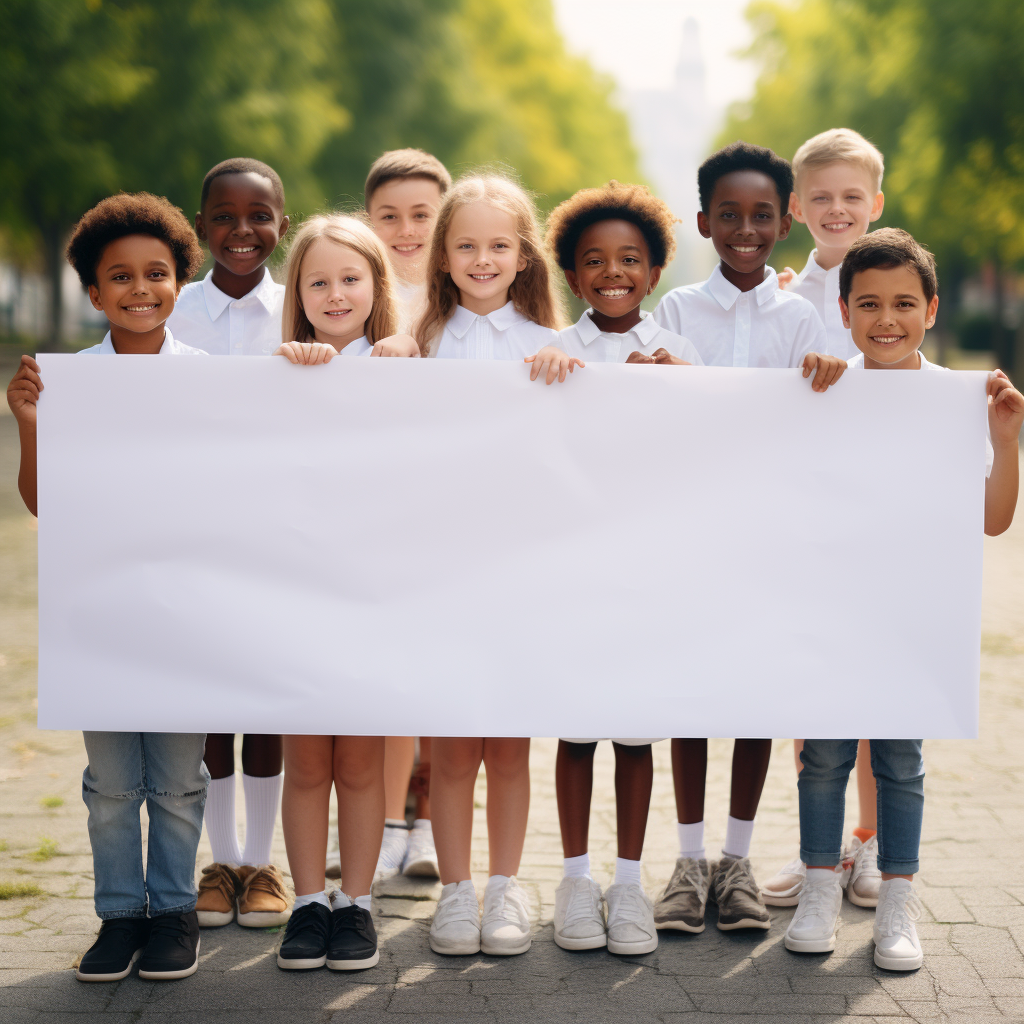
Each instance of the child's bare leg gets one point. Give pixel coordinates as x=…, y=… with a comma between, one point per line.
x=399, y=754
x=358, y=766
x=421, y=780
x=455, y=765
x=634, y=778
x=220, y=754
x=262, y=756
x=574, y=787
x=508, y=802
x=867, y=790
x=749, y=770
x=309, y=770
x=689, y=772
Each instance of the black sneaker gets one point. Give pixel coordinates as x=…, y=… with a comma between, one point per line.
x=173, y=948
x=353, y=942
x=119, y=944
x=305, y=938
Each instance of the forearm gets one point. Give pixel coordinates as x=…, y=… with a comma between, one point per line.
x=1001, y=490
x=27, y=469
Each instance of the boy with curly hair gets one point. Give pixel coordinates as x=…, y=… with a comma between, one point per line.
x=133, y=253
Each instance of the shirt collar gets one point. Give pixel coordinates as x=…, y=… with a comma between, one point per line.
x=217, y=301
x=727, y=293
x=501, y=319
x=168, y=348
x=811, y=267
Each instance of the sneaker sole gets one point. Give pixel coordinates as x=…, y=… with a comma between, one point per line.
x=861, y=901
x=773, y=899
x=593, y=942
x=898, y=963
x=301, y=965
x=422, y=869
x=454, y=948
x=214, y=918
x=632, y=948
x=746, y=922
x=118, y=976
x=810, y=945
x=172, y=975
x=506, y=951
x=264, y=918
x=355, y=965
x=679, y=926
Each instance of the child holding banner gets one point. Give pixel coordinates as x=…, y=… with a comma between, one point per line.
x=889, y=296
x=133, y=253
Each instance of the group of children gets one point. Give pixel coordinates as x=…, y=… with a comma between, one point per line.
x=461, y=270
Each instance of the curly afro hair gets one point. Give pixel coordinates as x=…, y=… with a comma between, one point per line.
x=242, y=165
x=613, y=201
x=133, y=213
x=742, y=156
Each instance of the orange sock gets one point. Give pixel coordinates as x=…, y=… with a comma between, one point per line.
x=864, y=834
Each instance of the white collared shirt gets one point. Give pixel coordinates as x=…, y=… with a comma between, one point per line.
x=584, y=340
x=222, y=326
x=820, y=288
x=359, y=347
x=503, y=334
x=857, y=363
x=170, y=347
x=763, y=327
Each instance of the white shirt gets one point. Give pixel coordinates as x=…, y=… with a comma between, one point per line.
x=359, y=347
x=820, y=288
x=503, y=334
x=170, y=347
x=411, y=300
x=857, y=363
x=763, y=327
x=223, y=326
x=583, y=340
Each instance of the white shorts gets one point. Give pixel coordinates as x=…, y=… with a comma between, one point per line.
x=625, y=743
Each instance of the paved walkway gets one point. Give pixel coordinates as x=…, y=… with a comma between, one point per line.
x=971, y=884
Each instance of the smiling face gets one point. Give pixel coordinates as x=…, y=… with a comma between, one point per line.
x=887, y=315
x=335, y=287
x=242, y=222
x=744, y=221
x=136, y=284
x=613, y=269
x=403, y=212
x=837, y=202
x=482, y=255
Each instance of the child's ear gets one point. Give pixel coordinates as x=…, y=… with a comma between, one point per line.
x=845, y=310
x=285, y=224
x=521, y=263
x=200, y=227
x=933, y=308
x=785, y=226
x=794, y=208
x=573, y=282
x=877, y=206
x=654, y=279
x=703, y=224
x=94, y=298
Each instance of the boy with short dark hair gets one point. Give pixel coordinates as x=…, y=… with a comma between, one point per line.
x=133, y=253
x=888, y=292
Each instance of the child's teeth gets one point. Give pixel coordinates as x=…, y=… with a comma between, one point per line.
x=745, y=248
x=613, y=293
x=250, y=248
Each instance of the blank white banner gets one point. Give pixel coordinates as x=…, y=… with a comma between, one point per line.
x=445, y=548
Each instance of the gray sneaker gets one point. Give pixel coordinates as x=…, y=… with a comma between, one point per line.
x=739, y=901
x=681, y=906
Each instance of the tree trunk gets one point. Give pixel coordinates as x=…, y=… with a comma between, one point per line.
x=53, y=253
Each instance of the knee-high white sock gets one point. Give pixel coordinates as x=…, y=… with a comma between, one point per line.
x=262, y=795
x=219, y=818
x=737, y=837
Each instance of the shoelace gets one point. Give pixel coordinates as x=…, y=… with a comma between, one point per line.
x=865, y=863
x=222, y=878
x=818, y=899
x=460, y=907
x=122, y=930
x=307, y=919
x=794, y=867
x=899, y=910
x=508, y=905
x=264, y=880
x=627, y=900
x=737, y=878
x=172, y=926
x=691, y=879
x=392, y=848
x=584, y=904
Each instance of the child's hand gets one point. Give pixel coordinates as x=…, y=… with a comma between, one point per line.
x=786, y=277
x=1005, y=409
x=826, y=369
x=307, y=353
x=661, y=356
x=552, y=362
x=397, y=345
x=23, y=392
x=639, y=357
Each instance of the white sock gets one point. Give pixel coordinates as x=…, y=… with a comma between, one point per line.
x=262, y=795
x=219, y=817
x=313, y=897
x=576, y=867
x=396, y=823
x=627, y=872
x=820, y=874
x=691, y=840
x=363, y=902
x=339, y=900
x=497, y=881
x=422, y=823
x=737, y=838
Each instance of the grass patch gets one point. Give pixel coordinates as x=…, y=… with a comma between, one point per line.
x=16, y=890
x=1000, y=644
x=52, y=801
x=46, y=850
x=3, y=845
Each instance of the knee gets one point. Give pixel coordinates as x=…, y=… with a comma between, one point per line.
x=358, y=766
x=826, y=759
x=897, y=762
x=455, y=761
x=507, y=759
x=308, y=771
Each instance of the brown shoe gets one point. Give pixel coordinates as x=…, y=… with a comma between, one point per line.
x=263, y=902
x=218, y=889
x=739, y=900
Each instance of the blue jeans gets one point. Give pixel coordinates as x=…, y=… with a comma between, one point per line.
x=899, y=773
x=166, y=770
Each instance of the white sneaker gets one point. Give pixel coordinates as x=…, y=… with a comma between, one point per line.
x=392, y=852
x=630, y=919
x=783, y=888
x=813, y=928
x=865, y=878
x=897, y=947
x=505, y=930
x=455, y=929
x=421, y=857
x=579, y=916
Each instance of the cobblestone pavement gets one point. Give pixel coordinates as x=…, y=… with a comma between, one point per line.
x=971, y=884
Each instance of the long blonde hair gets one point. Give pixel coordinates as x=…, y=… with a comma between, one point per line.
x=533, y=292
x=354, y=234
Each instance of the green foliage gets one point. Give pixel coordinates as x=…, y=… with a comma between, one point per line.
x=46, y=850
x=19, y=890
x=52, y=802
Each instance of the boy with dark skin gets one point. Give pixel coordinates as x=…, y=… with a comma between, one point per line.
x=738, y=317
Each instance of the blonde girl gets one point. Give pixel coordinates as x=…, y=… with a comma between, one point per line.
x=490, y=295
